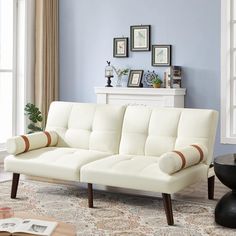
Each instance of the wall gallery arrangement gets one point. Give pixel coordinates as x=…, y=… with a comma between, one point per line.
x=140, y=41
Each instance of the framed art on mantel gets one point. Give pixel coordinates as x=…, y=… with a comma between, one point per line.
x=161, y=55
x=120, y=47
x=135, y=78
x=140, y=38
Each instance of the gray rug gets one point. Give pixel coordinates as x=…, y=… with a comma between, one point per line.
x=115, y=214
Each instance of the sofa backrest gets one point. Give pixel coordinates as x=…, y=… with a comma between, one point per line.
x=87, y=126
x=132, y=130
x=154, y=131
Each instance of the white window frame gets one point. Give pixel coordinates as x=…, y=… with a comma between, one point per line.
x=29, y=60
x=19, y=125
x=227, y=79
x=13, y=71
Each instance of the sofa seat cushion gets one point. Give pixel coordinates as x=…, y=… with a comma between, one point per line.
x=139, y=172
x=52, y=162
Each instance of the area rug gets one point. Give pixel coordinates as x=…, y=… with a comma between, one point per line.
x=114, y=214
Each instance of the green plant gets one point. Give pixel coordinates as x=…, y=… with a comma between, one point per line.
x=156, y=80
x=121, y=72
x=35, y=117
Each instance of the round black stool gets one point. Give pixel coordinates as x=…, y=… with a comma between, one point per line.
x=225, y=170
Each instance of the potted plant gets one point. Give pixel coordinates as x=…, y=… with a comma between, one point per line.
x=156, y=82
x=35, y=118
x=120, y=73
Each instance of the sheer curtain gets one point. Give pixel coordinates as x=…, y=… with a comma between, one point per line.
x=46, y=54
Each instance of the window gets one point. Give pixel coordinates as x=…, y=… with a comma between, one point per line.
x=16, y=51
x=6, y=70
x=228, y=71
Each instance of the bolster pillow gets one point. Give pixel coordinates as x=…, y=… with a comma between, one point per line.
x=172, y=162
x=25, y=143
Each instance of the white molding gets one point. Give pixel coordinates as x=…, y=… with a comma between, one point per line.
x=140, y=91
x=225, y=73
x=228, y=140
x=154, y=97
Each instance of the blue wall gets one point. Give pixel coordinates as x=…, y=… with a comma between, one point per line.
x=192, y=27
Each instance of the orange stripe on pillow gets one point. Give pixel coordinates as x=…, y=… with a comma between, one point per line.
x=49, y=138
x=182, y=158
x=200, y=151
x=27, y=143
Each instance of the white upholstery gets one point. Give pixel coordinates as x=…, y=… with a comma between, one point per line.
x=154, y=131
x=148, y=133
x=52, y=162
x=197, y=126
x=87, y=126
x=24, y=143
x=172, y=162
x=140, y=172
x=89, y=136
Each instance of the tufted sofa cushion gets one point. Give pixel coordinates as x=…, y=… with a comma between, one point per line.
x=87, y=126
x=52, y=162
x=154, y=131
x=139, y=172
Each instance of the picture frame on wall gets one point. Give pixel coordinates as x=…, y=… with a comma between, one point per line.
x=140, y=38
x=161, y=55
x=135, y=78
x=120, y=47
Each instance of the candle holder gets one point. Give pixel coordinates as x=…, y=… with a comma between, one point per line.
x=109, y=74
x=109, y=81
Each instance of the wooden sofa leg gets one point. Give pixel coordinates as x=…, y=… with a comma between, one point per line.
x=211, y=186
x=168, y=208
x=14, y=186
x=90, y=195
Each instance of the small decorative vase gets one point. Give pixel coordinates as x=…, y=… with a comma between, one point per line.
x=156, y=85
x=119, y=81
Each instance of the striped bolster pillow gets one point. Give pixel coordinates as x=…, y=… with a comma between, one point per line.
x=25, y=143
x=172, y=162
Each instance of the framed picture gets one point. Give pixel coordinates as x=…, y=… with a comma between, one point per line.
x=135, y=78
x=120, y=47
x=161, y=55
x=140, y=37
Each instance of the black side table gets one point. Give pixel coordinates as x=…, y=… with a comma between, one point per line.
x=225, y=170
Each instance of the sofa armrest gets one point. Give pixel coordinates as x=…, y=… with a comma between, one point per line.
x=25, y=143
x=172, y=162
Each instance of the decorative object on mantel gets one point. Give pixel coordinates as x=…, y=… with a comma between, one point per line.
x=156, y=82
x=161, y=55
x=109, y=73
x=172, y=77
x=167, y=80
x=177, y=76
x=140, y=38
x=148, y=77
x=135, y=78
x=120, y=47
x=120, y=73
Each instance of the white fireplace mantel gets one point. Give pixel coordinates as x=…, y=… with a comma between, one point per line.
x=160, y=97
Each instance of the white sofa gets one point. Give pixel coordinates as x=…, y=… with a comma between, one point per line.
x=119, y=146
